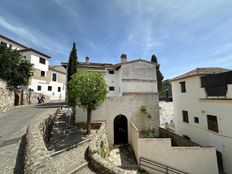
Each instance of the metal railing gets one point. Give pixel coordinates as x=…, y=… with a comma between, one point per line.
x=159, y=167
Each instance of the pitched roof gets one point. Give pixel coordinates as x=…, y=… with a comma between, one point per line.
x=117, y=66
x=33, y=50
x=58, y=68
x=200, y=72
x=13, y=41
x=103, y=66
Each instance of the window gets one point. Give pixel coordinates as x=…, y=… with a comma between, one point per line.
x=59, y=89
x=49, y=88
x=111, y=88
x=42, y=60
x=42, y=73
x=185, y=116
x=54, y=77
x=212, y=123
x=38, y=88
x=196, y=120
x=3, y=43
x=111, y=71
x=183, y=87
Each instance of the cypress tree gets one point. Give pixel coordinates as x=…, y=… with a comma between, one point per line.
x=72, y=63
x=160, y=76
x=72, y=69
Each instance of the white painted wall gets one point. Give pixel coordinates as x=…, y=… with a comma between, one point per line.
x=192, y=102
x=112, y=80
x=135, y=85
x=54, y=94
x=34, y=59
x=193, y=160
x=138, y=77
x=128, y=106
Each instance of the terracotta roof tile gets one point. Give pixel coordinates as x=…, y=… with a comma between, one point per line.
x=200, y=71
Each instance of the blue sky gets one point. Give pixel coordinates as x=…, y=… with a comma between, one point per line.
x=182, y=34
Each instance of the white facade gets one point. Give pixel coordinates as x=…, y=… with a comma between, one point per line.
x=39, y=83
x=132, y=85
x=199, y=106
x=195, y=160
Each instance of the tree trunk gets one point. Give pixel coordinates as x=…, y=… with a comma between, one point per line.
x=73, y=118
x=89, y=112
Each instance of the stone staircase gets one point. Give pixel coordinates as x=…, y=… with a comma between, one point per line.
x=68, y=147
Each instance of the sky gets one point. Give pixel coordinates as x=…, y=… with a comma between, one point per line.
x=182, y=34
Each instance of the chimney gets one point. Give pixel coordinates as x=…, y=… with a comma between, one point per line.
x=86, y=59
x=123, y=58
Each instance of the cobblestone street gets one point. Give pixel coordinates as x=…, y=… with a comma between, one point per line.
x=13, y=126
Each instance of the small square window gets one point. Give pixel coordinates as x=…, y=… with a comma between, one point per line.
x=196, y=120
x=183, y=87
x=59, y=89
x=38, y=88
x=54, y=77
x=49, y=88
x=42, y=73
x=185, y=116
x=111, y=71
x=111, y=88
x=42, y=60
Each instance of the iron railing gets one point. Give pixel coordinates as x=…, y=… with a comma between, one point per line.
x=159, y=167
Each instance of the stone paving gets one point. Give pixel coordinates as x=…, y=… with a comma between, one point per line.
x=13, y=126
x=123, y=157
x=70, y=145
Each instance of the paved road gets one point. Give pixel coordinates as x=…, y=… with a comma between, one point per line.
x=13, y=126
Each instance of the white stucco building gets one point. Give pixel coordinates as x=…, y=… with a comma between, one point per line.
x=202, y=108
x=47, y=80
x=131, y=84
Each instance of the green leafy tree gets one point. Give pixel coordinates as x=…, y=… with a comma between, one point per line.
x=160, y=76
x=14, y=68
x=88, y=90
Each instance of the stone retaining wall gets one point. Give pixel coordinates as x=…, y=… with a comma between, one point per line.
x=6, y=97
x=99, y=150
x=9, y=97
x=37, y=157
x=176, y=139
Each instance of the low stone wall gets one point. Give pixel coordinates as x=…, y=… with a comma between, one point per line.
x=31, y=97
x=37, y=157
x=176, y=139
x=99, y=150
x=6, y=97
x=9, y=97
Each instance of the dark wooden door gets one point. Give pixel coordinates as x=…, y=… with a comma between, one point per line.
x=120, y=130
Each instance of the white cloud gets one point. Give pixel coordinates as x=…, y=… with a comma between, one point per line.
x=31, y=35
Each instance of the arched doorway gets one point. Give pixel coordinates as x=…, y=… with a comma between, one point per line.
x=120, y=130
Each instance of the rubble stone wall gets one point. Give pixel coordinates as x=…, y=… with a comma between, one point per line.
x=99, y=151
x=6, y=97
x=25, y=97
x=37, y=157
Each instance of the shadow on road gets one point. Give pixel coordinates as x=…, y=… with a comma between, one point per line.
x=50, y=105
x=19, y=167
